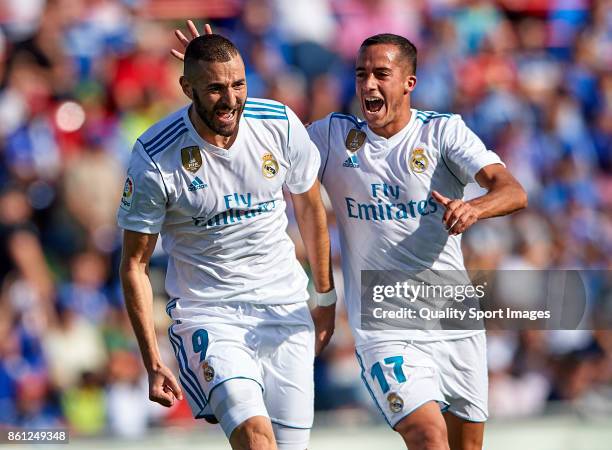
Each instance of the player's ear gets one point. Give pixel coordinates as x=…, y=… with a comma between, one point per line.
x=186, y=87
x=409, y=83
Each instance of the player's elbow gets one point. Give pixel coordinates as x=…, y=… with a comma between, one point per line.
x=521, y=198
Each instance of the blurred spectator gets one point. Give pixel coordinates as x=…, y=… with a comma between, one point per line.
x=87, y=353
x=127, y=395
x=84, y=406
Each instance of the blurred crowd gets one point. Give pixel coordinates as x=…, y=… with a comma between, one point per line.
x=81, y=79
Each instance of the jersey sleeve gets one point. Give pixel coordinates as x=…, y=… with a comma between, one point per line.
x=319, y=134
x=143, y=203
x=304, y=159
x=463, y=152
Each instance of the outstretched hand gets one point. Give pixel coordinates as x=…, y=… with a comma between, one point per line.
x=459, y=215
x=185, y=41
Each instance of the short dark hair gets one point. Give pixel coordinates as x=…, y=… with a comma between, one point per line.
x=210, y=48
x=407, y=49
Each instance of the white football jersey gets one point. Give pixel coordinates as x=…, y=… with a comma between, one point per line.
x=221, y=213
x=380, y=190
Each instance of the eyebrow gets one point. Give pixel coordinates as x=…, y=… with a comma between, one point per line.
x=357, y=69
x=220, y=83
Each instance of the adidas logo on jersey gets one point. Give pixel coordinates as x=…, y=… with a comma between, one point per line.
x=352, y=161
x=197, y=184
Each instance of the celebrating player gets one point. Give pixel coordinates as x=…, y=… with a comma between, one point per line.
x=417, y=163
x=209, y=178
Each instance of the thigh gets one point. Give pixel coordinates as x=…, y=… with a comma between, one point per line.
x=464, y=378
x=400, y=377
x=234, y=402
x=287, y=366
x=463, y=434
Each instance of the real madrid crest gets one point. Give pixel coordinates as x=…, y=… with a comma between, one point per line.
x=269, y=166
x=418, y=160
x=208, y=371
x=354, y=140
x=191, y=158
x=396, y=403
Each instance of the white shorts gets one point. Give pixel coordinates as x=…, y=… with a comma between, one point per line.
x=404, y=375
x=272, y=345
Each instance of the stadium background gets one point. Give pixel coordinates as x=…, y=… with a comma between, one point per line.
x=81, y=79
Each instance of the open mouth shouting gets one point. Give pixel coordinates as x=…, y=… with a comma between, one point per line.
x=226, y=116
x=372, y=107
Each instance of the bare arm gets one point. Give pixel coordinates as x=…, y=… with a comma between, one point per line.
x=312, y=222
x=134, y=273
x=27, y=253
x=504, y=196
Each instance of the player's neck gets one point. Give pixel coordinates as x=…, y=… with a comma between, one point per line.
x=395, y=126
x=209, y=135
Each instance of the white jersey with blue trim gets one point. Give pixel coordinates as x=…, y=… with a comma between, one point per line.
x=380, y=190
x=221, y=212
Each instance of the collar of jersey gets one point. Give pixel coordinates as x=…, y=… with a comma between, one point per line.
x=218, y=151
x=397, y=137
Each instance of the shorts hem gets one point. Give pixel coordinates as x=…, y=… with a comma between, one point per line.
x=414, y=409
x=283, y=424
x=463, y=417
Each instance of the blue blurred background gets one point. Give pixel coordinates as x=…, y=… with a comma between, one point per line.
x=81, y=79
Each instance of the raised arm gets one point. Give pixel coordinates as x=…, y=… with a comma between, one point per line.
x=134, y=273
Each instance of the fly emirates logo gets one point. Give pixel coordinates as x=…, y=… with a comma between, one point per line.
x=386, y=205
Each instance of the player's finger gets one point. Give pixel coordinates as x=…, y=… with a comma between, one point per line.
x=207, y=29
x=182, y=38
x=158, y=396
x=322, y=341
x=193, y=30
x=457, y=209
x=464, y=221
x=455, y=214
x=178, y=55
x=440, y=198
x=450, y=209
x=174, y=386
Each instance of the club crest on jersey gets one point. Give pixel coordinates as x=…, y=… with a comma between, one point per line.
x=128, y=193
x=208, y=371
x=396, y=403
x=191, y=158
x=269, y=166
x=418, y=160
x=354, y=140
